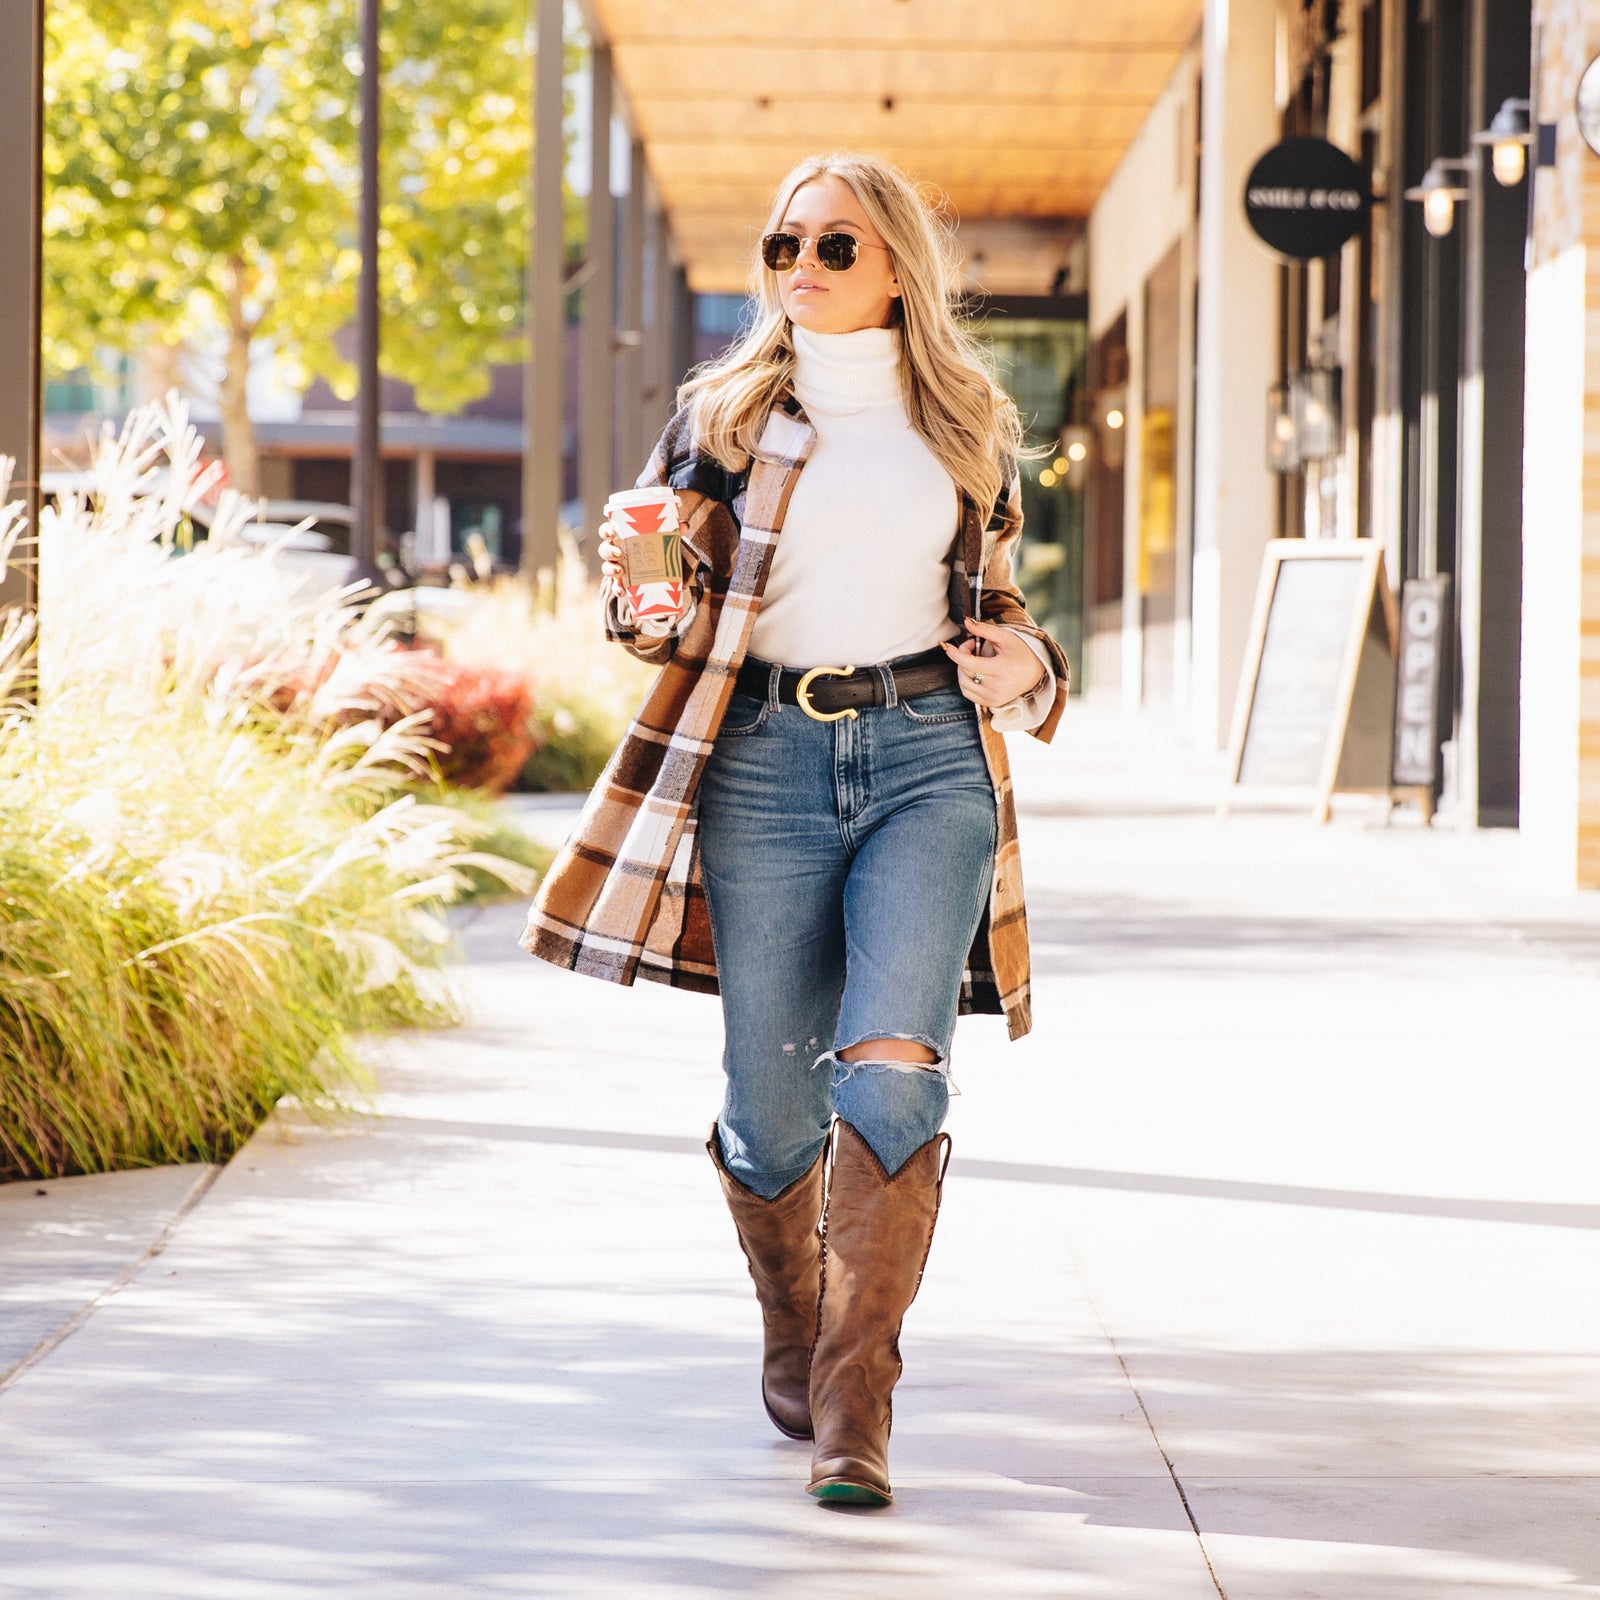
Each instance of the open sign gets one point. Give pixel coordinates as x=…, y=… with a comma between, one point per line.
x=1424, y=604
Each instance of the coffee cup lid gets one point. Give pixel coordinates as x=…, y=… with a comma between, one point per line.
x=640, y=497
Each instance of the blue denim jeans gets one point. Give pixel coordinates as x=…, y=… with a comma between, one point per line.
x=846, y=867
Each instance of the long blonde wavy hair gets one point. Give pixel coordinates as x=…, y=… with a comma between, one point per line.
x=967, y=419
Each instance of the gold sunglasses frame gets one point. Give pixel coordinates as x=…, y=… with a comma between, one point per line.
x=805, y=239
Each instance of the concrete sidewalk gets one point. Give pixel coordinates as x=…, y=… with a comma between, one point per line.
x=1269, y=1267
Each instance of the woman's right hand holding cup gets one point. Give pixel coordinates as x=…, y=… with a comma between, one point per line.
x=641, y=556
x=610, y=555
x=613, y=568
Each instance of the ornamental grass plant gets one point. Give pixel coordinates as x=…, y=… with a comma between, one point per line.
x=213, y=871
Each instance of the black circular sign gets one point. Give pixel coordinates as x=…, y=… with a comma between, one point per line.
x=1305, y=197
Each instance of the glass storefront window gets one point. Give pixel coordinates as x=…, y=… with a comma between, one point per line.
x=1043, y=367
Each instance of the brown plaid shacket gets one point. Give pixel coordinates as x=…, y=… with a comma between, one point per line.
x=623, y=899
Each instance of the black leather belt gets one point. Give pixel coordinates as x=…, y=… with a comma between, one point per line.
x=828, y=693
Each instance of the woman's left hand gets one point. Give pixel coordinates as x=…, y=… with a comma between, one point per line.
x=1008, y=668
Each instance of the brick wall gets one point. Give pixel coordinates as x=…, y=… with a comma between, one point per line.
x=1561, y=494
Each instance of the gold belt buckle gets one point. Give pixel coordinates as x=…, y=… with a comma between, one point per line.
x=802, y=694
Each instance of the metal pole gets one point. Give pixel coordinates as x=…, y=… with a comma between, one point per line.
x=594, y=418
x=21, y=230
x=366, y=466
x=543, y=420
x=630, y=353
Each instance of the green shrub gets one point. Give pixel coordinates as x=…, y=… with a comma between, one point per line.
x=499, y=836
x=575, y=742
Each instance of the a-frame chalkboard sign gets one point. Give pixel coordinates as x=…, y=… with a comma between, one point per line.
x=1315, y=711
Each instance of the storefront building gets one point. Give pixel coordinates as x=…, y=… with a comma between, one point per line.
x=1426, y=384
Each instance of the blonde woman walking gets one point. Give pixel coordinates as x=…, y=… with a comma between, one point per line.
x=812, y=812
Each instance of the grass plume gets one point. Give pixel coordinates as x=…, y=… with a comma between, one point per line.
x=212, y=869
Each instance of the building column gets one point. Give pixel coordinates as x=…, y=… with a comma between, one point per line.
x=668, y=373
x=543, y=421
x=21, y=205
x=1560, y=732
x=1235, y=356
x=630, y=314
x=654, y=382
x=597, y=376
x=1133, y=406
x=1183, y=542
x=1493, y=225
x=432, y=536
x=681, y=299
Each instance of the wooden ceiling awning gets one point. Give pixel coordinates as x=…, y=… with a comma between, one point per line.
x=1015, y=110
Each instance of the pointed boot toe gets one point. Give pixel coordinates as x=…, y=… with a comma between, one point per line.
x=849, y=1481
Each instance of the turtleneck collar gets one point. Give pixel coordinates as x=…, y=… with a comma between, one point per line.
x=842, y=372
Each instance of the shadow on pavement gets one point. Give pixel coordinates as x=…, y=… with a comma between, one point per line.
x=1086, y=934
x=1534, y=1213
x=418, y=1362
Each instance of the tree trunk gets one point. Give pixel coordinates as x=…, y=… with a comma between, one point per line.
x=239, y=447
x=160, y=367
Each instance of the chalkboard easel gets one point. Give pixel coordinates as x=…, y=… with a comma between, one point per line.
x=1315, y=711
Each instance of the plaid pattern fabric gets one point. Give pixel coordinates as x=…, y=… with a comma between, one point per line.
x=623, y=899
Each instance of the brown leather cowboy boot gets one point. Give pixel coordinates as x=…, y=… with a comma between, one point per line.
x=876, y=1234
x=781, y=1242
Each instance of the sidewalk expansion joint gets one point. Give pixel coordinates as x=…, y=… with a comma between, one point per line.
x=1149, y=1421
x=64, y=1331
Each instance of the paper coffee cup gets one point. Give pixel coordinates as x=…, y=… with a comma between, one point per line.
x=645, y=523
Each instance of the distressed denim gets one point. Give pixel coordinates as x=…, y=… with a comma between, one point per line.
x=846, y=867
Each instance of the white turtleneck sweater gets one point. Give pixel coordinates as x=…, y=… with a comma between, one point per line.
x=860, y=574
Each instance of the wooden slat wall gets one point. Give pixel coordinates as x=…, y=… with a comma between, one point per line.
x=1010, y=109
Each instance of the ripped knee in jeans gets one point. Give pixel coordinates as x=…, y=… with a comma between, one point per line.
x=896, y=1106
x=873, y=1057
x=899, y=1049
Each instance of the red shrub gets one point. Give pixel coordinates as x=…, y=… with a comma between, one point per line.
x=484, y=715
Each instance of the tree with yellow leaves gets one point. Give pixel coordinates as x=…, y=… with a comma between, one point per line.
x=201, y=164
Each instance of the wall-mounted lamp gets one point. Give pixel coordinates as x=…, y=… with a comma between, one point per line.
x=1072, y=464
x=1282, y=457
x=1510, y=132
x=1513, y=130
x=1304, y=419
x=1317, y=413
x=1439, y=194
x=1110, y=415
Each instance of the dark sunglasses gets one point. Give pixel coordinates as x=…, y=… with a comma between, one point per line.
x=836, y=251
